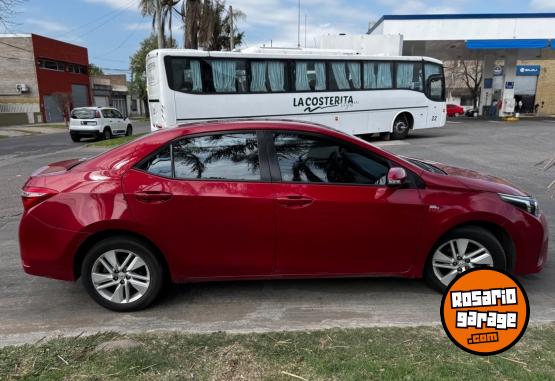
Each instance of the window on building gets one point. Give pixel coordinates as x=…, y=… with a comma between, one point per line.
x=311, y=159
x=134, y=105
x=218, y=157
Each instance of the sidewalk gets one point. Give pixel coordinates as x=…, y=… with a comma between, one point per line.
x=32, y=129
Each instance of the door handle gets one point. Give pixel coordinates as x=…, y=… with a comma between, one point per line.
x=153, y=197
x=295, y=201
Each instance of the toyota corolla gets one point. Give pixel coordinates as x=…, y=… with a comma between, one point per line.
x=267, y=200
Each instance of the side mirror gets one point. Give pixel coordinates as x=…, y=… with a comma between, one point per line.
x=396, y=176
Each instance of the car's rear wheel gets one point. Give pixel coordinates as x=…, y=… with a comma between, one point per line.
x=129, y=131
x=460, y=250
x=122, y=274
x=107, y=133
x=75, y=138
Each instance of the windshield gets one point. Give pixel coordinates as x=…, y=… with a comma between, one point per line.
x=83, y=113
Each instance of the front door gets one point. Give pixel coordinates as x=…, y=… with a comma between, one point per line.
x=211, y=211
x=334, y=213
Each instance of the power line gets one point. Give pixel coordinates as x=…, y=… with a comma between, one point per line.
x=97, y=19
x=107, y=20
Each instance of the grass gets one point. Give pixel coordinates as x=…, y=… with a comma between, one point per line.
x=115, y=141
x=420, y=353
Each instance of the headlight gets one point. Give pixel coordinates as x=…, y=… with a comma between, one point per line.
x=529, y=204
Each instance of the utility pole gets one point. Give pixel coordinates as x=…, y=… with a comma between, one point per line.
x=231, y=34
x=305, y=17
x=159, y=26
x=299, y=27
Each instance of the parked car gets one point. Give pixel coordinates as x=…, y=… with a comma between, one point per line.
x=471, y=112
x=454, y=110
x=98, y=122
x=267, y=200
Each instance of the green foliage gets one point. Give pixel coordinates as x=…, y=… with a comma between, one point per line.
x=138, y=65
x=95, y=70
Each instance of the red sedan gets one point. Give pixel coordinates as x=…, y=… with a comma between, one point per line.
x=454, y=110
x=266, y=200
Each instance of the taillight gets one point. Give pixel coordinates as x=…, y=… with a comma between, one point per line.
x=97, y=114
x=32, y=196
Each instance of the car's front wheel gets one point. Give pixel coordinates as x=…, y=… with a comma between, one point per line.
x=460, y=250
x=122, y=274
x=129, y=131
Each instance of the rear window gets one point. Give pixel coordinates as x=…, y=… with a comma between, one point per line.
x=83, y=113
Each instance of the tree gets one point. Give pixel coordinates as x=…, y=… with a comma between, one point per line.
x=138, y=66
x=8, y=9
x=95, y=70
x=208, y=24
x=165, y=9
x=467, y=73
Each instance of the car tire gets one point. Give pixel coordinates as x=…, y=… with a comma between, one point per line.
x=401, y=128
x=478, y=239
x=75, y=138
x=134, y=283
x=107, y=133
x=129, y=131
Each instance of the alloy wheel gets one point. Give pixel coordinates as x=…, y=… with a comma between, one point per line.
x=120, y=276
x=401, y=127
x=457, y=256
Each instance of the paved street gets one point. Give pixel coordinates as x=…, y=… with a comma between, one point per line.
x=31, y=308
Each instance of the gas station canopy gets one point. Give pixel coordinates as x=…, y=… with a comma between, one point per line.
x=484, y=37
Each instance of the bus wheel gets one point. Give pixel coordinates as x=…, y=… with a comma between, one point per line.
x=401, y=128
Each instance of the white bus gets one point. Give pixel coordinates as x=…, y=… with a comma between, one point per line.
x=350, y=92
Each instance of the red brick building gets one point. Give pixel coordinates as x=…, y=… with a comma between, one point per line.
x=40, y=77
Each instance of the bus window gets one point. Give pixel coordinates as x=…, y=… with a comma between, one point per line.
x=258, y=77
x=378, y=75
x=276, y=76
x=229, y=76
x=338, y=76
x=185, y=75
x=310, y=76
x=409, y=76
x=435, y=83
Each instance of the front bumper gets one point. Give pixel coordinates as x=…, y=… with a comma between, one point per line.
x=533, y=246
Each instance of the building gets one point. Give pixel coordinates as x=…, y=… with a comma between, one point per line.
x=112, y=90
x=40, y=77
x=501, y=42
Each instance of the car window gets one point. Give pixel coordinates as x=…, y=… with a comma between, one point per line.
x=106, y=114
x=312, y=159
x=218, y=157
x=116, y=114
x=83, y=113
x=160, y=164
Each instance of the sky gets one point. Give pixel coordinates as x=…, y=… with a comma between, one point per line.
x=113, y=29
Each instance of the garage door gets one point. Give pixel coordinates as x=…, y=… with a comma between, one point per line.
x=52, y=109
x=100, y=101
x=80, y=95
x=525, y=85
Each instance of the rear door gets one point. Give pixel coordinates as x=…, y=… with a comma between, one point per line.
x=334, y=213
x=208, y=202
x=118, y=121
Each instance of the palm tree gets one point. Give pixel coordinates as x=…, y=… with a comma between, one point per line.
x=148, y=8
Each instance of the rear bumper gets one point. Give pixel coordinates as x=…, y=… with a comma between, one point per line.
x=85, y=133
x=46, y=250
